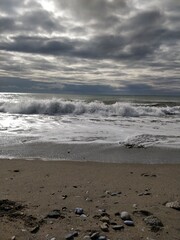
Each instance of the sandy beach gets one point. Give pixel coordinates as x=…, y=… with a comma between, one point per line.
x=30, y=191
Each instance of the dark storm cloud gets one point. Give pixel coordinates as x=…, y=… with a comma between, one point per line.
x=92, y=42
x=38, y=45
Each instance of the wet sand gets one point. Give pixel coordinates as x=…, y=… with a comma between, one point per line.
x=38, y=187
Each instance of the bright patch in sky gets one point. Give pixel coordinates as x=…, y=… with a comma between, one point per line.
x=47, y=5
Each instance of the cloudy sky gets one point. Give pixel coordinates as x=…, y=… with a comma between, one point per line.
x=90, y=46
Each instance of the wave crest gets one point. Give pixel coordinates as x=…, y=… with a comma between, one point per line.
x=62, y=107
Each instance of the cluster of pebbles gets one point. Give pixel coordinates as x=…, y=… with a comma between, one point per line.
x=14, y=210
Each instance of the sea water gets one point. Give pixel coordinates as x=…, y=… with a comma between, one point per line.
x=131, y=121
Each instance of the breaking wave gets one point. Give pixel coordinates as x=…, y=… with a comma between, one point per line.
x=62, y=107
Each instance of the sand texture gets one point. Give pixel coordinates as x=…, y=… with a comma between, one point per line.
x=31, y=190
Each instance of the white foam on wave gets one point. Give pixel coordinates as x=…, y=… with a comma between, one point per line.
x=147, y=140
x=62, y=107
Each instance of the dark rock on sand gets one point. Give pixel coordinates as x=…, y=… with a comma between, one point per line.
x=35, y=229
x=154, y=223
x=129, y=223
x=79, y=211
x=54, y=214
x=148, y=175
x=94, y=236
x=117, y=227
x=8, y=207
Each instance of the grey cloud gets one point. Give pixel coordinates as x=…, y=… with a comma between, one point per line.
x=92, y=10
x=91, y=41
x=33, y=20
x=10, y=6
x=6, y=24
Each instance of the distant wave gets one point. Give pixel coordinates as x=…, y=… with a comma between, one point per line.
x=62, y=107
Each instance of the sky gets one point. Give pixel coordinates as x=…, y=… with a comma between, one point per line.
x=90, y=46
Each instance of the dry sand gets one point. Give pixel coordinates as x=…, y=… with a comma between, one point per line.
x=38, y=187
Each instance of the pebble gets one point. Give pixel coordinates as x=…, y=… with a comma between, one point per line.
x=115, y=193
x=79, y=211
x=88, y=199
x=102, y=238
x=129, y=223
x=125, y=215
x=13, y=238
x=175, y=205
x=117, y=227
x=35, y=229
x=54, y=214
x=105, y=219
x=104, y=227
x=134, y=205
x=94, y=235
x=71, y=236
x=144, y=193
x=87, y=237
x=64, y=197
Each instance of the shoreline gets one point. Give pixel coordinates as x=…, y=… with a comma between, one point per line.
x=40, y=187
x=112, y=153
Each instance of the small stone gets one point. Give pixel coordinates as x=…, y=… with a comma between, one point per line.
x=154, y=223
x=125, y=215
x=114, y=194
x=64, y=209
x=102, y=210
x=54, y=214
x=71, y=236
x=175, y=205
x=79, y=211
x=102, y=238
x=105, y=219
x=129, y=223
x=94, y=235
x=134, y=205
x=64, y=197
x=107, y=192
x=13, y=238
x=146, y=193
x=87, y=237
x=117, y=227
x=88, y=199
x=35, y=229
x=83, y=216
x=53, y=238
x=104, y=227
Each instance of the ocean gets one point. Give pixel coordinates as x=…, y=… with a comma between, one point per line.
x=29, y=122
